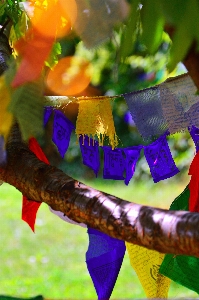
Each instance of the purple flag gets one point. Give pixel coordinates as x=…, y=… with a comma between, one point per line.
x=160, y=160
x=114, y=163
x=90, y=153
x=62, y=128
x=104, y=259
x=47, y=113
x=132, y=155
x=2, y=151
x=194, y=132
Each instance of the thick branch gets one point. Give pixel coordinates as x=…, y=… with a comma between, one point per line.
x=165, y=231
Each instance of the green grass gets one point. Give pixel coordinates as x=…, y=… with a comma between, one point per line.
x=51, y=262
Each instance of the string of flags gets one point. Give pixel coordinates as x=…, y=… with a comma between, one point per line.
x=117, y=160
x=105, y=254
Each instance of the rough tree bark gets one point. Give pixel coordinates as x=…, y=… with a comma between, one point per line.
x=162, y=230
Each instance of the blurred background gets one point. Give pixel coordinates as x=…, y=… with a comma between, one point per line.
x=51, y=262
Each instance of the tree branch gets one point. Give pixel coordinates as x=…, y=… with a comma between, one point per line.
x=162, y=230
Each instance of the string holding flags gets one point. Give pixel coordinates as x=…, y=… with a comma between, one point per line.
x=90, y=153
x=104, y=258
x=62, y=128
x=160, y=160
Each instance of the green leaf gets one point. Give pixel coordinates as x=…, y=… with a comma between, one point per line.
x=184, y=35
x=152, y=25
x=53, y=57
x=27, y=107
x=128, y=36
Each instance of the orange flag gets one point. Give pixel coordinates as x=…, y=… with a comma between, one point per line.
x=29, y=207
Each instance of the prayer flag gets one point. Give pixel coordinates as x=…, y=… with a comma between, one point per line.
x=114, y=163
x=132, y=155
x=104, y=259
x=194, y=132
x=62, y=128
x=2, y=151
x=90, y=153
x=47, y=113
x=95, y=118
x=160, y=160
x=146, y=264
x=30, y=207
x=194, y=185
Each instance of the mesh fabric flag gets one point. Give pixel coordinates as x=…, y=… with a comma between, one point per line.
x=29, y=207
x=95, y=118
x=194, y=132
x=47, y=113
x=62, y=128
x=104, y=259
x=146, y=110
x=182, y=269
x=194, y=184
x=146, y=264
x=90, y=153
x=132, y=155
x=160, y=160
x=114, y=163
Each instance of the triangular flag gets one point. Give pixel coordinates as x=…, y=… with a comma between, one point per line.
x=132, y=155
x=182, y=269
x=104, y=259
x=160, y=160
x=146, y=264
x=114, y=163
x=47, y=113
x=30, y=207
x=62, y=128
x=194, y=132
x=90, y=153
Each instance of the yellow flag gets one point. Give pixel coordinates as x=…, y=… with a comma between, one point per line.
x=5, y=116
x=146, y=264
x=95, y=118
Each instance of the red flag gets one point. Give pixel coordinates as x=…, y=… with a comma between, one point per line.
x=29, y=207
x=194, y=185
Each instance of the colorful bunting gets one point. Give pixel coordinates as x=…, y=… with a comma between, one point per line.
x=132, y=155
x=95, y=118
x=62, y=128
x=146, y=264
x=104, y=259
x=160, y=161
x=30, y=207
x=47, y=113
x=114, y=163
x=194, y=132
x=182, y=269
x=90, y=153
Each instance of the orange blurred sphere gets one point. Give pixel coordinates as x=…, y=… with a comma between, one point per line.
x=54, y=20
x=69, y=77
